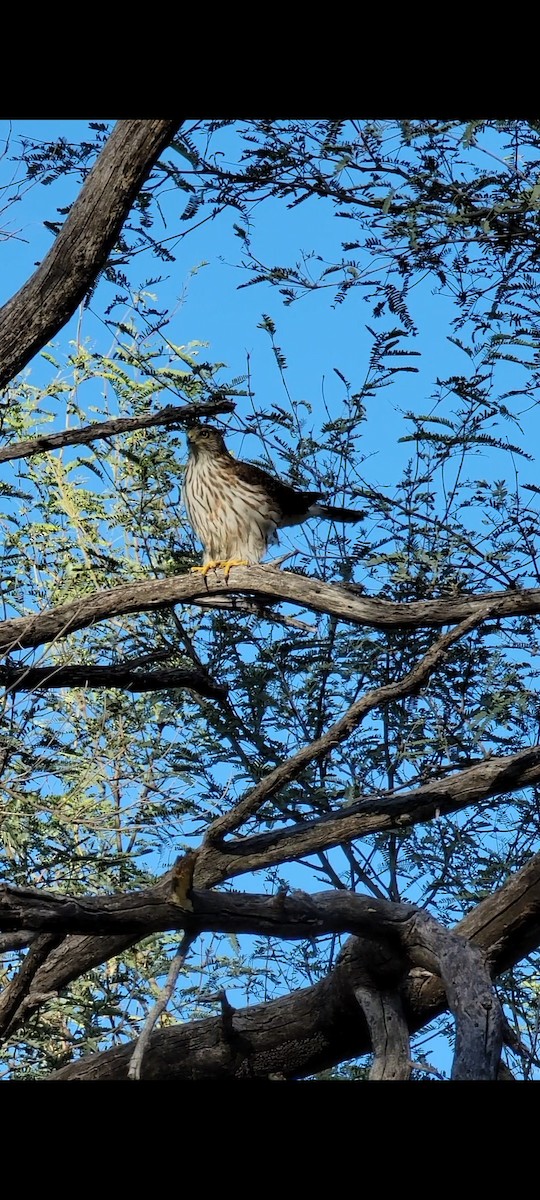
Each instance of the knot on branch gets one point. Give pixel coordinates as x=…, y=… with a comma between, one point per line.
x=181, y=880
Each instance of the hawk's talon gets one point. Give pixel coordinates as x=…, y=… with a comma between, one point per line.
x=225, y=565
x=232, y=562
x=209, y=566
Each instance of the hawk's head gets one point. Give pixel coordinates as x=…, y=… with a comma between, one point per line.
x=205, y=439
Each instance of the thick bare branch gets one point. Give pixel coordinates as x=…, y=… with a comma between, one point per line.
x=388, y=1031
x=465, y=977
x=68, y=960
x=319, y=1025
x=315, y=1027
x=51, y=295
x=159, y=908
x=371, y=814
x=16, y=941
x=269, y=587
x=255, y=1042
x=377, y=974
x=130, y=679
x=171, y=415
x=469, y=993
x=15, y=994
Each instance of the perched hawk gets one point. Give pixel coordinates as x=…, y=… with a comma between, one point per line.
x=235, y=508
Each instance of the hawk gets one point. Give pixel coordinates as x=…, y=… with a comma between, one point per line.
x=234, y=508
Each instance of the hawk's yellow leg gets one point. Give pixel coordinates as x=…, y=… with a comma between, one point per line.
x=209, y=566
x=233, y=562
x=225, y=565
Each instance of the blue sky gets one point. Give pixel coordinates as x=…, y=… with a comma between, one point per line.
x=203, y=290
x=210, y=306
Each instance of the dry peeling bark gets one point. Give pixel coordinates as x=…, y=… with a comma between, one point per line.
x=269, y=587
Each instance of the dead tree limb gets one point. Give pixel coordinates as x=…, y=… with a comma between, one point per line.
x=268, y=586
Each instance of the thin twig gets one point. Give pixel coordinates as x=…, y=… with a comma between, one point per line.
x=135, y=1064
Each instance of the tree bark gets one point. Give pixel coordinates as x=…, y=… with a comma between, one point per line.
x=312, y=1029
x=43, y=305
x=268, y=586
x=316, y=1027
x=123, y=676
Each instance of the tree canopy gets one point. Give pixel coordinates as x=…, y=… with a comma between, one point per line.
x=284, y=824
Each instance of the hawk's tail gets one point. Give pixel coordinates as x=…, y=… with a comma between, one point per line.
x=348, y=515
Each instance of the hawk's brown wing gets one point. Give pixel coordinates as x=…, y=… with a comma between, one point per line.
x=291, y=502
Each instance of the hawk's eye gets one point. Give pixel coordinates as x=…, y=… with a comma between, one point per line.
x=204, y=433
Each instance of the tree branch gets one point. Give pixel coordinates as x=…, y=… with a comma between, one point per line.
x=16, y=941
x=318, y=1026
x=506, y=926
x=43, y=305
x=131, y=679
x=388, y=1030
x=15, y=994
x=270, y=587
x=162, y=907
x=171, y=415
x=466, y=980
x=370, y=814
x=469, y=993
x=378, y=972
x=134, y=1069
x=275, y=780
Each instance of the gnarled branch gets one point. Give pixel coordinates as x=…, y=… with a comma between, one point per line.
x=506, y=926
x=268, y=586
x=268, y=1045
x=421, y=939
x=492, y=776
